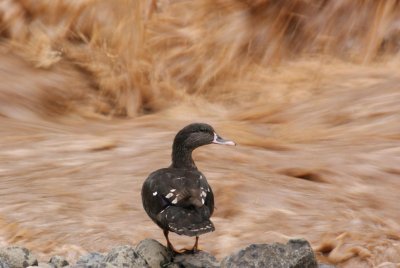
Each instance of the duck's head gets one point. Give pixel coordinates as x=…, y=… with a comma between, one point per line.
x=198, y=134
x=188, y=139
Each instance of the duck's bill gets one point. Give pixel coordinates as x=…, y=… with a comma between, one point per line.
x=219, y=140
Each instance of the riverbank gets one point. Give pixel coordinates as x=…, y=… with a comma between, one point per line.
x=150, y=253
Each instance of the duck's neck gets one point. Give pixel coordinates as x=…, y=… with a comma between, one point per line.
x=182, y=157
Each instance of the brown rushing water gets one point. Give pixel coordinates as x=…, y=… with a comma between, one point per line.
x=318, y=138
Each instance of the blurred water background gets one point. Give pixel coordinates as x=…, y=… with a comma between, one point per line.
x=93, y=92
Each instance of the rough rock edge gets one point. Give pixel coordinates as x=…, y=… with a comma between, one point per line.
x=296, y=253
x=15, y=257
x=150, y=253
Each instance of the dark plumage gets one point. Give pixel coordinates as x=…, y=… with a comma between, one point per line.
x=179, y=198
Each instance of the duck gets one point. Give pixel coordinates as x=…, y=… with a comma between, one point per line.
x=178, y=198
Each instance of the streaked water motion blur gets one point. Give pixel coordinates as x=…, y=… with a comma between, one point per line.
x=93, y=92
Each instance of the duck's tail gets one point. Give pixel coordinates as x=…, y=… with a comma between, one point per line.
x=188, y=222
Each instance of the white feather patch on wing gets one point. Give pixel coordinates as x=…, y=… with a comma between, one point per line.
x=169, y=195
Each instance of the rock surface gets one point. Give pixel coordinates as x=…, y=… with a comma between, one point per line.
x=90, y=260
x=197, y=260
x=42, y=265
x=3, y=264
x=297, y=253
x=155, y=254
x=125, y=256
x=17, y=257
x=58, y=261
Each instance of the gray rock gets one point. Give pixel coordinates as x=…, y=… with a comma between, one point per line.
x=297, y=253
x=199, y=259
x=108, y=265
x=173, y=265
x=98, y=265
x=90, y=260
x=42, y=265
x=155, y=254
x=323, y=265
x=125, y=256
x=17, y=257
x=3, y=264
x=58, y=261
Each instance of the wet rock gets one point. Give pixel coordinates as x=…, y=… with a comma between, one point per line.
x=125, y=256
x=297, y=253
x=199, y=259
x=17, y=257
x=90, y=260
x=155, y=254
x=58, y=261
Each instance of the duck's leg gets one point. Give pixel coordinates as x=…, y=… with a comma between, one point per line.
x=169, y=245
x=191, y=251
x=195, y=247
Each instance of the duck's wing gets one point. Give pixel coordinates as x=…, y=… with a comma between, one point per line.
x=185, y=221
x=180, y=201
x=189, y=189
